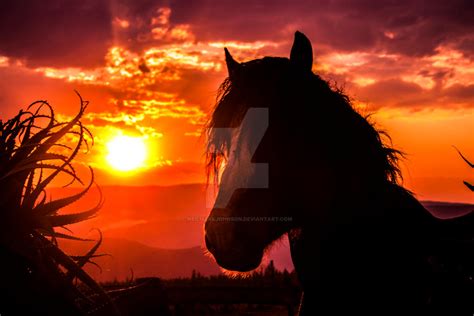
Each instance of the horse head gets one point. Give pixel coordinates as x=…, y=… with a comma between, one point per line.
x=284, y=140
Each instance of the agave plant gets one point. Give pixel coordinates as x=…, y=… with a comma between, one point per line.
x=470, y=164
x=34, y=149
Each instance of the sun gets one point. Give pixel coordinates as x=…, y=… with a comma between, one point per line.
x=126, y=153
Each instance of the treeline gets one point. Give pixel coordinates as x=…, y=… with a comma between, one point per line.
x=264, y=277
x=267, y=276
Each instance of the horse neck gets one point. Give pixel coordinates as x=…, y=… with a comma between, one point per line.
x=386, y=199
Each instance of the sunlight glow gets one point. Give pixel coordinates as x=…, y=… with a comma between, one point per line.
x=126, y=153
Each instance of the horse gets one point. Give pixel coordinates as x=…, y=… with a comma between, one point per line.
x=359, y=241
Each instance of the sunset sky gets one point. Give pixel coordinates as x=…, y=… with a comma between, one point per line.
x=151, y=69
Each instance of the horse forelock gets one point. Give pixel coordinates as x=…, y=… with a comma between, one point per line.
x=231, y=105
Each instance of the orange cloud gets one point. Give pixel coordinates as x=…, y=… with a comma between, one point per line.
x=4, y=62
x=122, y=23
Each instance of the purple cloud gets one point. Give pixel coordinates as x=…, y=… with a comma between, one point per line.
x=59, y=33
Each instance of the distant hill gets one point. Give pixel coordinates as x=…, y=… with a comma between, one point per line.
x=157, y=216
x=447, y=209
x=158, y=230
x=127, y=256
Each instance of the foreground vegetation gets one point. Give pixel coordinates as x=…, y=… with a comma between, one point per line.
x=39, y=278
x=264, y=292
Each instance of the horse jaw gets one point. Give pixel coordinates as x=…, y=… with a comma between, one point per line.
x=233, y=256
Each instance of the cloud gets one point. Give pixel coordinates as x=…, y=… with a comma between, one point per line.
x=461, y=94
x=382, y=93
x=78, y=33
x=175, y=81
x=150, y=60
x=397, y=93
x=382, y=79
x=59, y=33
x=416, y=27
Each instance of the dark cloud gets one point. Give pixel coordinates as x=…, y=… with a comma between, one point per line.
x=78, y=32
x=460, y=93
x=382, y=93
x=399, y=93
x=413, y=28
x=427, y=25
x=55, y=33
x=245, y=20
x=139, y=14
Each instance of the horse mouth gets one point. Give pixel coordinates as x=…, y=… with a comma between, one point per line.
x=239, y=265
x=236, y=258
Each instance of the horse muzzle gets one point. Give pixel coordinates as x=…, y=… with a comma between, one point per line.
x=230, y=252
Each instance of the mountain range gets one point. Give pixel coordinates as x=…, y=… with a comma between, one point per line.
x=158, y=230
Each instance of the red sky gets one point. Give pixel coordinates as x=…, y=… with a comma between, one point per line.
x=152, y=68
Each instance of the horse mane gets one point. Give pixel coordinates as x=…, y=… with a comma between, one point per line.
x=233, y=100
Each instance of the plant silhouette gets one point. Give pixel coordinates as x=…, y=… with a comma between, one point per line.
x=38, y=276
x=467, y=184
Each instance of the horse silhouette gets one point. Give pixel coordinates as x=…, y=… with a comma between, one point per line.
x=360, y=242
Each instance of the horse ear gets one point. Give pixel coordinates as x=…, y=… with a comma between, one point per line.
x=301, y=52
x=232, y=65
